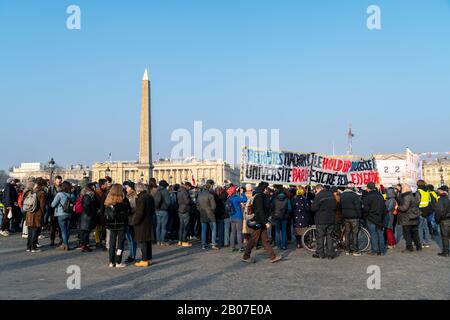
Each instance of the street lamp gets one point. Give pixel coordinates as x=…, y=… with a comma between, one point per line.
x=142, y=176
x=170, y=180
x=51, y=166
x=441, y=171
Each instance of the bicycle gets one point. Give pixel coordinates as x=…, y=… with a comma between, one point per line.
x=309, y=239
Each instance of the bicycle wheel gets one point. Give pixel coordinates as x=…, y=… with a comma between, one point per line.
x=309, y=239
x=363, y=240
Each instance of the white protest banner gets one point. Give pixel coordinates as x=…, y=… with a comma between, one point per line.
x=294, y=168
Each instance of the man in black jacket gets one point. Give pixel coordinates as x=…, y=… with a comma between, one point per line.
x=324, y=208
x=443, y=219
x=10, y=202
x=351, y=211
x=374, y=210
x=261, y=219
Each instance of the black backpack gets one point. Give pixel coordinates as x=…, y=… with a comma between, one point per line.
x=69, y=205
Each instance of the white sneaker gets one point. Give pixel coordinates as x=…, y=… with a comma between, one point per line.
x=35, y=251
x=4, y=233
x=39, y=245
x=121, y=265
x=41, y=237
x=111, y=265
x=25, y=236
x=28, y=250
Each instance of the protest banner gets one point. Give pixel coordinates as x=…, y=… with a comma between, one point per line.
x=294, y=168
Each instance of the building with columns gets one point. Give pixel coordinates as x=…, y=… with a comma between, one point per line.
x=73, y=173
x=177, y=171
x=437, y=172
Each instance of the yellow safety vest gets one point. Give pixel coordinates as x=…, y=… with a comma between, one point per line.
x=425, y=198
x=435, y=196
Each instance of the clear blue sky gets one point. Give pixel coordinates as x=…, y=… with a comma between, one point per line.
x=308, y=68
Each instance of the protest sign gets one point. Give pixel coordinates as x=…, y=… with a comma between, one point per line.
x=294, y=168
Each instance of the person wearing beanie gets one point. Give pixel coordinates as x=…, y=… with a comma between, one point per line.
x=443, y=219
x=324, y=208
x=259, y=224
x=162, y=203
x=374, y=211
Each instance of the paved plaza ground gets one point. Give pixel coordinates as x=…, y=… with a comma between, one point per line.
x=191, y=273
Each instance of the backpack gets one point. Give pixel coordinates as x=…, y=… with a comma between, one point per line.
x=110, y=213
x=173, y=207
x=78, y=208
x=229, y=207
x=30, y=202
x=68, y=206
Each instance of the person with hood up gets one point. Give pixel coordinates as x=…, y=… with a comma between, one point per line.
x=281, y=208
x=391, y=211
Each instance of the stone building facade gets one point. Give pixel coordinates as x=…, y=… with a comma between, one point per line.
x=436, y=170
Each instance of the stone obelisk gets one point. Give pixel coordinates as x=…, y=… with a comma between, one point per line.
x=145, y=146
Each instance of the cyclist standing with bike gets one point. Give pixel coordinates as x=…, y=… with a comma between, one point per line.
x=324, y=208
x=351, y=211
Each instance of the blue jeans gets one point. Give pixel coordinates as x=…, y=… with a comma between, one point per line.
x=281, y=233
x=377, y=238
x=213, y=227
x=184, y=224
x=64, y=225
x=223, y=232
x=424, y=231
x=161, y=224
x=132, y=245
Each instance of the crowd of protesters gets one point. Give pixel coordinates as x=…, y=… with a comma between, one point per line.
x=137, y=215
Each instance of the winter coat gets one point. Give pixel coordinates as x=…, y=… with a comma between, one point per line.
x=236, y=208
x=101, y=197
x=122, y=211
x=162, y=199
x=206, y=204
x=9, y=195
x=374, y=208
x=221, y=198
x=302, y=215
x=184, y=200
x=260, y=207
x=351, y=205
x=281, y=206
x=33, y=219
x=408, y=210
x=391, y=203
x=324, y=208
x=443, y=209
x=88, y=218
x=337, y=197
x=59, y=201
x=143, y=218
x=132, y=197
